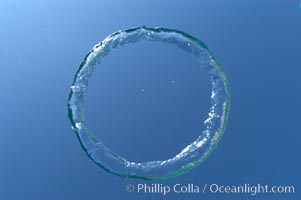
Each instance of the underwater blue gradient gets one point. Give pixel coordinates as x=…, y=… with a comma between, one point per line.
x=42, y=43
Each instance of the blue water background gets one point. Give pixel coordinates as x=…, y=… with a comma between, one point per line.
x=43, y=42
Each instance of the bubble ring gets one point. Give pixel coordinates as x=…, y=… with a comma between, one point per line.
x=192, y=155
